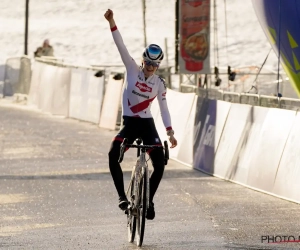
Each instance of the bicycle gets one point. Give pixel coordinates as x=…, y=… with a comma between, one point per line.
x=138, y=189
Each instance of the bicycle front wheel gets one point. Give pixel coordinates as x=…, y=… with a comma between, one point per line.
x=131, y=219
x=141, y=217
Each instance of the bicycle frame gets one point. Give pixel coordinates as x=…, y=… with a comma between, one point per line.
x=138, y=192
x=139, y=170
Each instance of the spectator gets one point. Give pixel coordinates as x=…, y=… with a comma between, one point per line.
x=45, y=50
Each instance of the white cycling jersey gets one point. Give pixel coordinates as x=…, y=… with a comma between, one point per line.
x=138, y=93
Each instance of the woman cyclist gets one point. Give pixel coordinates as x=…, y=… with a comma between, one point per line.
x=141, y=87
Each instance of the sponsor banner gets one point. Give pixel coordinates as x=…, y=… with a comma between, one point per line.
x=240, y=165
x=61, y=92
x=180, y=105
x=287, y=182
x=232, y=141
x=46, y=89
x=76, y=109
x=204, y=133
x=95, y=92
x=222, y=115
x=270, y=143
x=210, y=119
x=194, y=39
x=86, y=95
x=185, y=152
x=33, y=96
x=111, y=104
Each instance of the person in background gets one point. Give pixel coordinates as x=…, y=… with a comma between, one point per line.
x=45, y=50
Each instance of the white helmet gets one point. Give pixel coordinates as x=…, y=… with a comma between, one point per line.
x=153, y=53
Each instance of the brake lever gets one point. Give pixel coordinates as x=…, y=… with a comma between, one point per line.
x=122, y=150
x=166, y=147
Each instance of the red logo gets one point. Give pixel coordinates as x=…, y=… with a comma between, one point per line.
x=143, y=87
x=164, y=94
x=195, y=3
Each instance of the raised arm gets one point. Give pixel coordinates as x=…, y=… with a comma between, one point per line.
x=126, y=58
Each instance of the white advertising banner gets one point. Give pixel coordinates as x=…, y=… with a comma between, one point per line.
x=287, y=182
x=111, y=104
x=221, y=117
x=86, y=95
x=185, y=151
x=61, y=92
x=241, y=163
x=270, y=143
x=231, y=140
x=180, y=105
x=46, y=88
x=33, y=96
x=75, y=106
x=194, y=39
x=94, y=91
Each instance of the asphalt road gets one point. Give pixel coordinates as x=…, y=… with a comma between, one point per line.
x=56, y=192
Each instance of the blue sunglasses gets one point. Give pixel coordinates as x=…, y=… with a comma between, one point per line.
x=150, y=63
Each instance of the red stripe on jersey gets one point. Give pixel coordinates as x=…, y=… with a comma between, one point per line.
x=141, y=106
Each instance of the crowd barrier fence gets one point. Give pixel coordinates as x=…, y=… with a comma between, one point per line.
x=246, y=138
x=17, y=75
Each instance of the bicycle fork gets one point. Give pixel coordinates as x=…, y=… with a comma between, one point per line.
x=140, y=170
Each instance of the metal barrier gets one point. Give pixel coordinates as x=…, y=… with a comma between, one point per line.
x=247, y=79
x=251, y=99
x=231, y=97
x=269, y=101
x=289, y=103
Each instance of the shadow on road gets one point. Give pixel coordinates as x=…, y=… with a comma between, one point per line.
x=168, y=174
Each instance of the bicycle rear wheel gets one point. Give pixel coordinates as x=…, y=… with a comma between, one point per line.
x=141, y=217
x=131, y=219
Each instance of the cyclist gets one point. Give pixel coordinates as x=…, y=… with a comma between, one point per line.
x=139, y=90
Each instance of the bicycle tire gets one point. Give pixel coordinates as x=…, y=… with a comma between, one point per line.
x=131, y=219
x=141, y=218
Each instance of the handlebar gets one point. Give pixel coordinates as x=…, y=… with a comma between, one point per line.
x=124, y=145
x=122, y=150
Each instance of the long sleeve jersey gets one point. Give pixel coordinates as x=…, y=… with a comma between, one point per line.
x=138, y=92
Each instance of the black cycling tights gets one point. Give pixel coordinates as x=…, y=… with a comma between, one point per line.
x=157, y=158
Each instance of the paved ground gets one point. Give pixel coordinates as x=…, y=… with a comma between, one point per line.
x=56, y=192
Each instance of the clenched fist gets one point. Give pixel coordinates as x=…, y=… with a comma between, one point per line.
x=109, y=15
